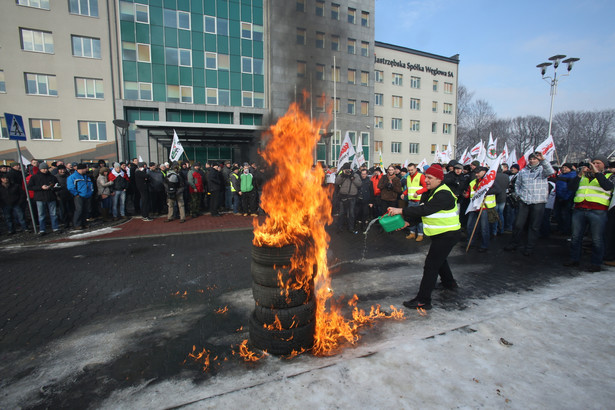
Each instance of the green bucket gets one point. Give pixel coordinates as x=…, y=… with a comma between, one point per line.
x=391, y=223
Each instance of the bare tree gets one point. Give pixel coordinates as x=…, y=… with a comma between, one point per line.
x=528, y=131
x=566, y=129
x=473, y=121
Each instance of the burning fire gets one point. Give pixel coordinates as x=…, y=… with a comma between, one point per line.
x=221, y=311
x=201, y=358
x=298, y=208
x=276, y=325
x=247, y=355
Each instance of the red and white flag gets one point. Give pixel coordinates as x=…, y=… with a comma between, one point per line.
x=346, y=151
x=476, y=149
x=523, y=160
x=422, y=164
x=547, y=148
x=465, y=158
x=484, y=185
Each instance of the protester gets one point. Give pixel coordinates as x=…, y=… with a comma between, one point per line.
x=235, y=185
x=532, y=190
x=564, y=199
x=81, y=187
x=66, y=204
x=438, y=211
x=174, y=187
x=478, y=220
x=247, y=192
x=120, y=186
x=156, y=189
x=141, y=183
x=365, y=200
x=215, y=186
x=104, y=191
x=42, y=184
x=11, y=199
x=390, y=188
x=416, y=187
x=348, y=188
x=196, y=188
x=510, y=210
x=376, y=177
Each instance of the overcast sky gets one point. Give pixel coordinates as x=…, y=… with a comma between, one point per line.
x=501, y=42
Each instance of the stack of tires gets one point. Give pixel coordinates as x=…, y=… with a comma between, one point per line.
x=296, y=312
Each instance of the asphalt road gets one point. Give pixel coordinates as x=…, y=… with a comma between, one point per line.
x=164, y=295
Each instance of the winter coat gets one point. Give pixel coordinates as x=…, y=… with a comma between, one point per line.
x=81, y=185
x=195, y=181
x=561, y=186
x=389, y=192
x=348, y=184
x=156, y=183
x=366, y=191
x=458, y=183
x=63, y=193
x=141, y=180
x=104, y=185
x=375, y=180
x=10, y=195
x=120, y=180
x=246, y=182
x=174, y=179
x=36, y=185
x=215, y=182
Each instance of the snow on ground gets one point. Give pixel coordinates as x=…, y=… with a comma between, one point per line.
x=550, y=348
x=96, y=232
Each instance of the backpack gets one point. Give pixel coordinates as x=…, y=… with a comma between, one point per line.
x=172, y=185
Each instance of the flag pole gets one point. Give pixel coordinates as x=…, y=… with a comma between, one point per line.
x=476, y=224
x=25, y=186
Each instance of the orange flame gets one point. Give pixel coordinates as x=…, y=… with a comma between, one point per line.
x=276, y=325
x=202, y=357
x=295, y=353
x=298, y=209
x=221, y=311
x=247, y=355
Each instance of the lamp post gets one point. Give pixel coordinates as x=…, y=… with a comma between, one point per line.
x=556, y=59
x=123, y=127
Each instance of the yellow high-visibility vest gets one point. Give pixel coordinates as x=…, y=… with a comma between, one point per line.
x=489, y=199
x=591, y=191
x=444, y=220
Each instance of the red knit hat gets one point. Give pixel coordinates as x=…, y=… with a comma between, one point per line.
x=435, y=170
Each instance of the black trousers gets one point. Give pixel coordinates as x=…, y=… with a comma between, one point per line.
x=532, y=215
x=214, y=202
x=436, y=264
x=145, y=202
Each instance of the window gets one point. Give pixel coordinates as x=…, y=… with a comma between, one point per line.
x=246, y=31
x=446, y=128
x=435, y=85
x=434, y=106
x=301, y=6
x=320, y=104
x=335, y=43
x=92, y=131
x=415, y=104
x=352, y=107
x=352, y=46
x=211, y=61
x=2, y=82
x=320, y=71
x=170, y=18
x=365, y=140
x=301, y=68
x=246, y=65
x=86, y=47
x=320, y=40
x=258, y=66
x=433, y=148
x=224, y=97
x=41, y=84
x=378, y=146
x=398, y=79
x=448, y=88
x=415, y=125
x=224, y=62
x=335, y=11
x=448, y=108
x=301, y=36
x=364, y=78
x=364, y=48
x=129, y=51
x=173, y=93
x=364, y=108
x=378, y=122
x=143, y=53
x=395, y=147
x=364, y=19
x=379, y=76
x=379, y=99
x=185, y=57
x=211, y=96
x=186, y=94
x=81, y=7
x=336, y=74
x=434, y=127
x=352, y=15
x=45, y=129
x=259, y=100
x=247, y=99
x=37, y=41
x=89, y=88
x=39, y=4
x=222, y=27
x=210, y=24
x=396, y=101
x=183, y=20
x=352, y=76
x=142, y=13
x=137, y=91
x=396, y=124
x=320, y=8
x=414, y=148
x=415, y=82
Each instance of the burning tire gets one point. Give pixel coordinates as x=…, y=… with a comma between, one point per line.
x=268, y=275
x=280, y=342
x=270, y=256
x=276, y=298
x=296, y=316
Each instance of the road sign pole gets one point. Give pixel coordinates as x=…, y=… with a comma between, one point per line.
x=25, y=186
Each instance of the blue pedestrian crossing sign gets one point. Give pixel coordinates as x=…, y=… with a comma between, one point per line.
x=14, y=123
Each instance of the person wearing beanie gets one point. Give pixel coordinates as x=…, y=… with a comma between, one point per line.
x=415, y=187
x=438, y=211
x=593, y=188
x=478, y=220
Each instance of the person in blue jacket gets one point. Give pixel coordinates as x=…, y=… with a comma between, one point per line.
x=564, y=199
x=82, y=188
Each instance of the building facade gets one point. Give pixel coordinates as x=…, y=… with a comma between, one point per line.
x=415, y=103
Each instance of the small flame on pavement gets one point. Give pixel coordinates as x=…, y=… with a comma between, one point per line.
x=295, y=353
x=247, y=355
x=202, y=358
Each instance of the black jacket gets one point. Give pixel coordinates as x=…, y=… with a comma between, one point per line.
x=457, y=183
x=36, y=184
x=443, y=200
x=11, y=195
x=215, y=181
x=366, y=191
x=141, y=180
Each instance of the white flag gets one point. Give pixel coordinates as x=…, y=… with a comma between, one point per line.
x=482, y=155
x=437, y=157
x=505, y=154
x=359, y=159
x=422, y=164
x=24, y=160
x=484, y=185
x=140, y=159
x=176, y=148
x=547, y=148
x=492, y=152
x=465, y=158
x=476, y=149
x=346, y=151
x=406, y=164
x=512, y=158
x=449, y=151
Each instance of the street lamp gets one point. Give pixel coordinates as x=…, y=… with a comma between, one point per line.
x=556, y=59
x=123, y=126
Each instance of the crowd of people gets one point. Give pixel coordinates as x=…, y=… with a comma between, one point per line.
x=525, y=203
x=70, y=195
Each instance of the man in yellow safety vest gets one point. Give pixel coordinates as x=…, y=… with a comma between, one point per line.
x=440, y=217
